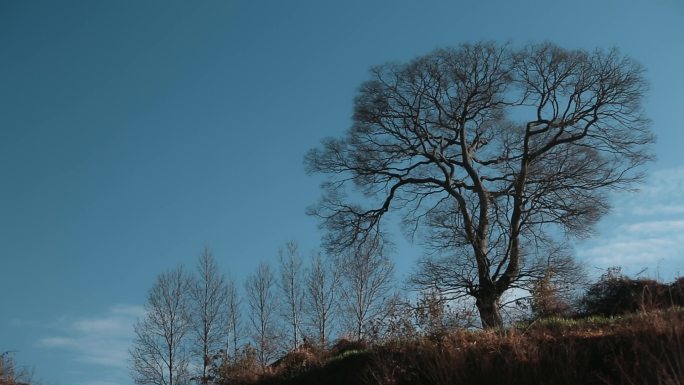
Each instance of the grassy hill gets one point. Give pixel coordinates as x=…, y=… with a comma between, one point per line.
x=641, y=348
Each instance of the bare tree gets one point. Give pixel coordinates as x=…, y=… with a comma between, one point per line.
x=397, y=320
x=209, y=306
x=367, y=279
x=322, y=280
x=487, y=152
x=291, y=287
x=233, y=320
x=159, y=355
x=11, y=374
x=261, y=299
x=445, y=276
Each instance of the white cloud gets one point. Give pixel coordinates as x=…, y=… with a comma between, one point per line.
x=101, y=340
x=658, y=209
x=656, y=228
x=58, y=342
x=101, y=326
x=632, y=251
x=645, y=230
x=128, y=310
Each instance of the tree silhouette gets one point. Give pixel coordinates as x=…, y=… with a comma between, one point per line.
x=487, y=152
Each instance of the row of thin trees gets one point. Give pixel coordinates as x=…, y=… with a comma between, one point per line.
x=494, y=156
x=195, y=322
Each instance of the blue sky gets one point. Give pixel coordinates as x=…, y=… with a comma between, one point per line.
x=135, y=133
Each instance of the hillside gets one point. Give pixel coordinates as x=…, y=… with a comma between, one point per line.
x=642, y=348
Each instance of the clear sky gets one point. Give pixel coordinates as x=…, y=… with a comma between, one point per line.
x=135, y=133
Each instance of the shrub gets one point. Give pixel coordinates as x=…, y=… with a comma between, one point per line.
x=616, y=294
x=546, y=301
x=240, y=370
x=344, y=345
x=677, y=291
x=297, y=361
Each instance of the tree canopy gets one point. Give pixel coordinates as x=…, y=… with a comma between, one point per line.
x=488, y=153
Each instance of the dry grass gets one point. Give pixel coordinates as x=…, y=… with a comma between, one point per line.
x=638, y=349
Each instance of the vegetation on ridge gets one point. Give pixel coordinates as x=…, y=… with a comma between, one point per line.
x=494, y=156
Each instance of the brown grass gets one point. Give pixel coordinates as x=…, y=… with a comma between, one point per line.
x=638, y=349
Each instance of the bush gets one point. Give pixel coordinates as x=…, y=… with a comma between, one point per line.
x=677, y=291
x=616, y=294
x=546, y=301
x=240, y=370
x=297, y=361
x=344, y=346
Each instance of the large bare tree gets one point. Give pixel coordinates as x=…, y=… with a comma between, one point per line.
x=490, y=153
x=159, y=355
x=209, y=313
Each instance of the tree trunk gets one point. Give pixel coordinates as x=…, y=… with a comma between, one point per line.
x=488, y=307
